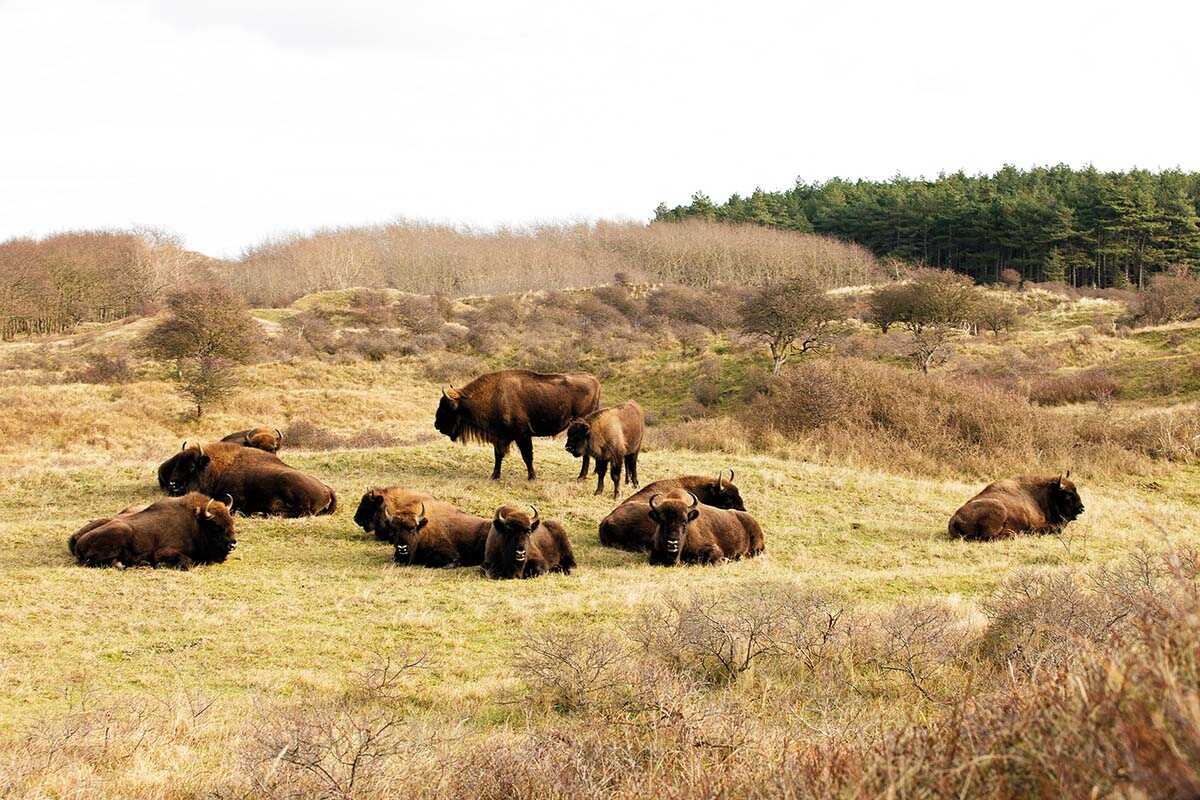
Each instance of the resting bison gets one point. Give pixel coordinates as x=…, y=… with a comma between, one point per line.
x=423, y=530
x=611, y=436
x=690, y=532
x=515, y=405
x=175, y=532
x=1028, y=504
x=269, y=439
x=522, y=546
x=259, y=482
x=629, y=527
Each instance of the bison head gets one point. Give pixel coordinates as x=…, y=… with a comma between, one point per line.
x=578, y=434
x=180, y=472
x=1065, y=505
x=214, y=520
x=514, y=527
x=368, y=516
x=448, y=420
x=671, y=516
x=269, y=439
x=402, y=529
x=723, y=494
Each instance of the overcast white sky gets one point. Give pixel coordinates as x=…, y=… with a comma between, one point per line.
x=229, y=121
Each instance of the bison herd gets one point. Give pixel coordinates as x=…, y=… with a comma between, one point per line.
x=690, y=519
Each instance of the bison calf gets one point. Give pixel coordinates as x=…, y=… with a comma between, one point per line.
x=1028, y=504
x=259, y=482
x=423, y=530
x=176, y=532
x=629, y=526
x=520, y=545
x=611, y=436
x=268, y=439
x=693, y=533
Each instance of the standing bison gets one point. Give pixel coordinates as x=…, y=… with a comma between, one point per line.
x=629, y=526
x=515, y=405
x=1028, y=504
x=175, y=532
x=268, y=439
x=698, y=534
x=611, y=436
x=520, y=545
x=258, y=481
x=423, y=530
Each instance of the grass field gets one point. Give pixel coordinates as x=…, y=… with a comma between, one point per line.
x=303, y=604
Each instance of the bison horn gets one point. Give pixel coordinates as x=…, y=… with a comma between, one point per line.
x=184, y=445
x=421, y=517
x=536, y=515
x=500, y=515
x=279, y=434
x=653, y=497
x=731, y=474
x=208, y=513
x=230, y=503
x=695, y=500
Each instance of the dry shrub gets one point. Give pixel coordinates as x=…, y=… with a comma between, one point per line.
x=570, y=667
x=103, y=368
x=712, y=310
x=707, y=435
x=1081, y=386
x=305, y=435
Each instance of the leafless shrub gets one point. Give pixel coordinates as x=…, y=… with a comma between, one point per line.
x=1081, y=386
x=452, y=368
x=570, y=667
x=103, y=368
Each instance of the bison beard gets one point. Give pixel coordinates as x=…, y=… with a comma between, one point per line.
x=516, y=405
x=629, y=527
x=258, y=481
x=1028, y=504
x=693, y=533
x=423, y=530
x=176, y=532
x=520, y=545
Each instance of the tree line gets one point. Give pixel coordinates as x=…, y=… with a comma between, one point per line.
x=1082, y=227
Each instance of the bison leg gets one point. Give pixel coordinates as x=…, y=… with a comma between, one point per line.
x=631, y=476
x=171, y=557
x=616, y=477
x=710, y=554
x=587, y=459
x=525, y=445
x=601, y=471
x=500, y=448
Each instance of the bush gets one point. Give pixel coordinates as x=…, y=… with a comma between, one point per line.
x=1171, y=297
x=103, y=368
x=1082, y=386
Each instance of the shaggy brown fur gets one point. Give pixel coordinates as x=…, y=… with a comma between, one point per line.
x=611, y=436
x=268, y=439
x=175, y=532
x=629, y=527
x=521, y=545
x=258, y=481
x=423, y=530
x=1027, y=504
x=698, y=534
x=515, y=405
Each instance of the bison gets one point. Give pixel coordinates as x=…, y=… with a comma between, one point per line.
x=520, y=545
x=629, y=526
x=693, y=533
x=258, y=481
x=1028, y=504
x=268, y=439
x=423, y=530
x=611, y=436
x=514, y=405
x=174, y=532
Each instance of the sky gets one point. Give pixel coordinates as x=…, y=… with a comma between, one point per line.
x=232, y=121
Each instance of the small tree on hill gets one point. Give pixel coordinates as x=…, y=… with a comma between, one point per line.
x=208, y=331
x=793, y=316
x=1011, y=278
x=994, y=314
x=934, y=307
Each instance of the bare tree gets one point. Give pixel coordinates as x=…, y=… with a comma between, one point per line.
x=934, y=307
x=792, y=316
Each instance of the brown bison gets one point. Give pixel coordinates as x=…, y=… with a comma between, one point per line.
x=423, y=530
x=698, y=534
x=514, y=405
x=611, y=436
x=175, y=532
x=1028, y=504
x=629, y=526
x=258, y=481
x=269, y=439
x=520, y=545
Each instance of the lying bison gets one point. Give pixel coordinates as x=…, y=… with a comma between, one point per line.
x=698, y=534
x=423, y=530
x=629, y=526
x=1028, y=504
x=611, y=436
x=258, y=481
x=268, y=439
x=515, y=405
x=520, y=545
x=175, y=532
